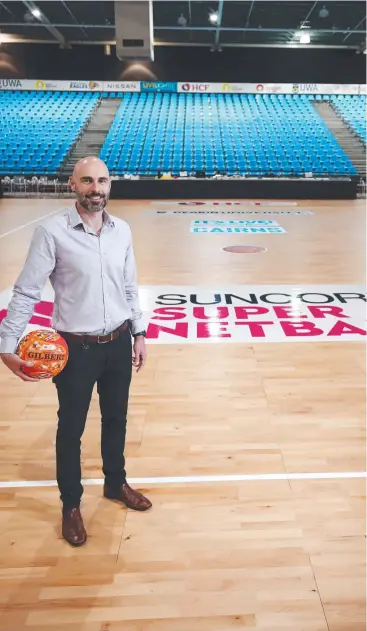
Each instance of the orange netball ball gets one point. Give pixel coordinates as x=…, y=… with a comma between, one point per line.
x=47, y=350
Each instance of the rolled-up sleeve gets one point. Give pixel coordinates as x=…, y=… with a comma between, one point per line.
x=38, y=266
x=132, y=293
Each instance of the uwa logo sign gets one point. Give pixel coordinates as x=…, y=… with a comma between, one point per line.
x=10, y=83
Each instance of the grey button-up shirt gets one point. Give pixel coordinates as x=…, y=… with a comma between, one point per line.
x=93, y=278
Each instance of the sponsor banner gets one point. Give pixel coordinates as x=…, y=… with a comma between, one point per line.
x=121, y=86
x=231, y=87
x=324, y=88
x=240, y=313
x=206, y=213
x=16, y=84
x=85, y=86
x=70, y=86
x=272, y=88
x=305, y=88
x=220, y=208
x=342, y=89
x=217, y=88
x=45, y=84
x=253, y=88
x=201, y=88
x=233, y=226
x=222, y=88
x=158, y=86
x=269, y=88
x=242, y=203
x=184, y=87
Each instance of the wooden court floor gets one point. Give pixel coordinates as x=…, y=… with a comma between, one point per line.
x=277, y=541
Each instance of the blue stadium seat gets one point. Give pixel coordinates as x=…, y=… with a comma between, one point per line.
x=352, y=109
x=246, y=134
x=236, y=134
x=38, y=129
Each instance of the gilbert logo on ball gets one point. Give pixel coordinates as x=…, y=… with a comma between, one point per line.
x=47, y=350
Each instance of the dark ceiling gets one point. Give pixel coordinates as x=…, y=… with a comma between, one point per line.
x=186, y=22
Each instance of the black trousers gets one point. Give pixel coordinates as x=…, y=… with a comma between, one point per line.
x=110, y=367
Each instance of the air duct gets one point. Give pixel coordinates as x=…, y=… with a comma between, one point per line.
x=134, y=30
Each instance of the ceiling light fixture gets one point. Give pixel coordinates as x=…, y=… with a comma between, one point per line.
x=305, y=38
x=36, y=13
x=182, y=20
x=213, y=17
x=324, y=12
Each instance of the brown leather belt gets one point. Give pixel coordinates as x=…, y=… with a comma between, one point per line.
x=95, y=339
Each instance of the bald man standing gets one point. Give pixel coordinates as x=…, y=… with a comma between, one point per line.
x=88, y=257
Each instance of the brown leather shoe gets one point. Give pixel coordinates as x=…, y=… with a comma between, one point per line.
x=72, y=527
x=129, y=497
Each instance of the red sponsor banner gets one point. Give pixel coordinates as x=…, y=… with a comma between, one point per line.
x=242, y=314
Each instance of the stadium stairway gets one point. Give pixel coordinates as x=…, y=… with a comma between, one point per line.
x=347, y=140
x=94, y=134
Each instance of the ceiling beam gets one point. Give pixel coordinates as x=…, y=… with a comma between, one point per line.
x=309, y=13
x=190, y=19
x=219, y=23
x=248, y=18
x=73, y=17
x=243, y=45
x=63, y=25
x=353, y=30
x=256, y=30
x=44, y=21
x=17, y=39
x=6, y=9
x=196, y=28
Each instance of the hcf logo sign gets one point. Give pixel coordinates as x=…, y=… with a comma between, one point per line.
x=195, y=87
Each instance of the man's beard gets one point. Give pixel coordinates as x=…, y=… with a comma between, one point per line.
x=92, y=203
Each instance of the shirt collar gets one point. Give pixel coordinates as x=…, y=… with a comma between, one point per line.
x=76, y=220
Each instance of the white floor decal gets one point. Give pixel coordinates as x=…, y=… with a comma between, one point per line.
x=243, y=313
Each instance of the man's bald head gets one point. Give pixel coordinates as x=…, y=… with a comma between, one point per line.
x=91, y=183
x=89, y=164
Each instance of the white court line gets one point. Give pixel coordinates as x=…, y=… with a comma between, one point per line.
x=200, y=479
x=5, y=234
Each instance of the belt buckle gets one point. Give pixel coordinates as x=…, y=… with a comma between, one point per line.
x=104, y=341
